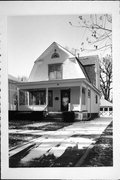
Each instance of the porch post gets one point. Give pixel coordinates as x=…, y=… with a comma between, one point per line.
x=80, y=97
x=18, y=98
x=28, y=97
x=86, y=98
x=46, y=96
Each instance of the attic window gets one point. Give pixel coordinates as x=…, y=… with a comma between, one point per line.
x=55, y=54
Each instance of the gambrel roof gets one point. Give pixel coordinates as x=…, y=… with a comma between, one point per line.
x=72, y=68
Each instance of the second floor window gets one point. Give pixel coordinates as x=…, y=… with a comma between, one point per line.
x=55, y=71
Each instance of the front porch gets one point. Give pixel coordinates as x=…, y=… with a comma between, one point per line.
x=54, y=98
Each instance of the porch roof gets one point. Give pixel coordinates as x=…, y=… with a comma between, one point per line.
x=55, y=84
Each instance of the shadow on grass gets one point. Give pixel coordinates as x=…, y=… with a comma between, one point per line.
x=102, y=153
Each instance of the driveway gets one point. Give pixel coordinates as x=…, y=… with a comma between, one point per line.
x=61, y=147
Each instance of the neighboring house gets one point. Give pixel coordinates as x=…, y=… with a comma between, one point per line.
x=106, y=108
x=61, y=82
x=13, y=97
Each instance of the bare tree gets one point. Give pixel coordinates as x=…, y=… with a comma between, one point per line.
x=106, y=77
x=98, y=29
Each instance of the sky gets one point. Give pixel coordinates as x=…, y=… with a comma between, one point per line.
x=30, y=36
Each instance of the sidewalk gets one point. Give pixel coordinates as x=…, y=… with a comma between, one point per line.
x=59, y=148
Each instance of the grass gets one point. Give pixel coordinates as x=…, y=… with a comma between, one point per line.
x=102, y=153
x=19, y=139
x=16, y=139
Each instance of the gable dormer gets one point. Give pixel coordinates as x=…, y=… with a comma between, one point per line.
x=56, y=63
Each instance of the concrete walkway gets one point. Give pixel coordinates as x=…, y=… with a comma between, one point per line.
x=82, y=134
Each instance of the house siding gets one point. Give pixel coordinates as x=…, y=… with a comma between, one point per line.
x=94, y=106
x=12, y=96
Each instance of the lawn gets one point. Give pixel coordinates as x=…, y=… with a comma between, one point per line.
x=17, y=138
x=102, y=153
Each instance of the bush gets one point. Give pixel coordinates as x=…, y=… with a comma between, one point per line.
x=26, y=115
x=68, y=116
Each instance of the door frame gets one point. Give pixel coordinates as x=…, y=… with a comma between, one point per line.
x=69, y=93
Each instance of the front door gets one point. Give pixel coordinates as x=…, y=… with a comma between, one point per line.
x=65, y=100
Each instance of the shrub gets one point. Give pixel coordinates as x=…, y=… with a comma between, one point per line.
x=68, y=116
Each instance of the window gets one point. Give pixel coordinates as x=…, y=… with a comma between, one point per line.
x=37, y=97
x=55, y=54
x=50, y=98
x=55, y=71
x=110, y=108
x=88, y=93
x=96, y=99
x=23, y=97
x=105, y=109
x=101, y=109
x=83, y=96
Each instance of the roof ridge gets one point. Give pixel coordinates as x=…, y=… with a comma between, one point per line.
x=66, y=49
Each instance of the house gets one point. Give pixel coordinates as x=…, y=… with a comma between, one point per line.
x=106, y=108
x=12, y=92
x=60, y=82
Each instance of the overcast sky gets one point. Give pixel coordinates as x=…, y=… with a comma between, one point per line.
x=29, y=36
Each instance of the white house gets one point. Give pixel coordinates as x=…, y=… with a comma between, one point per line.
x=12, y=92
x=61, y=82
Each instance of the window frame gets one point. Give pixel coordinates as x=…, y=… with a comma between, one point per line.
x=33, y=97
x=54, y=66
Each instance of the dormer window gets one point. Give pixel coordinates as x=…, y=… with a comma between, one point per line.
x=55, y=54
